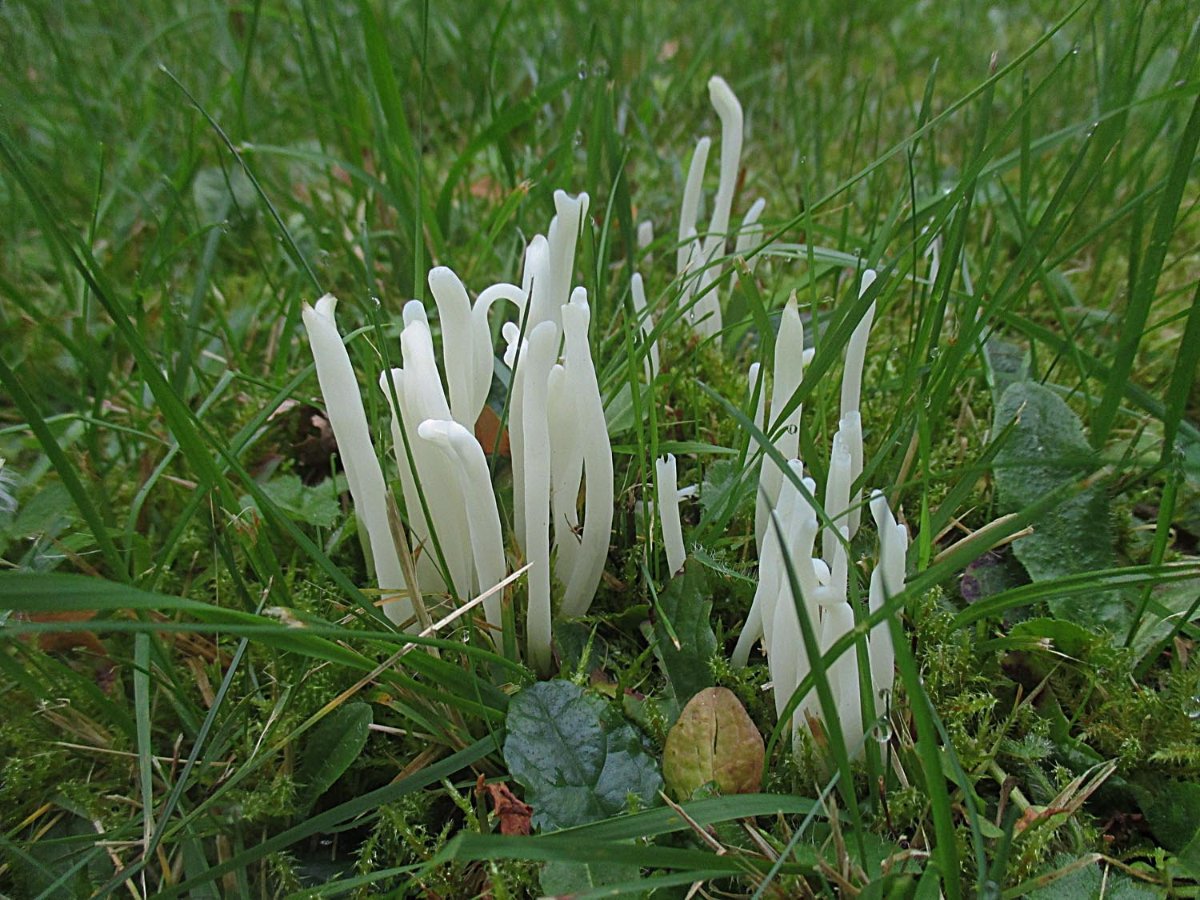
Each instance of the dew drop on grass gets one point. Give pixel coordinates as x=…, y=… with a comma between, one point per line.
x=883, y=731
x=1191, y=707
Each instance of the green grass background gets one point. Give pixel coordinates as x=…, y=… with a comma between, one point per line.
x=177, y=178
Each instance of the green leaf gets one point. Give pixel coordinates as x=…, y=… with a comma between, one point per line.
x=218, y=193
x=577, y=758
x=1082, y=879
x=563, y=878
x=1006, y=365
x=329, y=751
x=1062, y=635
x=315, y=505
x=1047, y=449
x=713, y=740
x=687, y=605
x=1172, y=810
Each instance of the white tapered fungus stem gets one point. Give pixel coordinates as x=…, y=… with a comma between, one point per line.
x=851, y=428
x=886, y=581
x=837, y=495
x=458, y=352
x=770, y=581
x=537, y=359
x=729, y=110
x=401, y=424
x=645, y=237
x=760, y=405
x=668, y=511
x=788, y=376
x=566, y=471
x=837, y=620
x=483, y=361
x=552, y=292
x=883, y=653
x=514, y=359
x=483, y=518
x=707, y=312
x=368, y=490
x=689, y=210
x=597, y=458
x=751, y=232
x=650, y=363
x=856, y=351
x=424, y=398
x=787, y=656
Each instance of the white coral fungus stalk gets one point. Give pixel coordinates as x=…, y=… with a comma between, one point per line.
x=558, y=437
x=696, y=258
x=787, y=527
x=343, y=404
x=667, y=481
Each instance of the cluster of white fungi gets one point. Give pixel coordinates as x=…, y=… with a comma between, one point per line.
x=560, y=451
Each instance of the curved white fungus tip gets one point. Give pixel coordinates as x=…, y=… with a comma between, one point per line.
x=868, y=279
x=414, y=311
x=442, y=276
x=325, y=306
x=668, y=511
x=723, y=99
x=441, y=430
x=579, y=298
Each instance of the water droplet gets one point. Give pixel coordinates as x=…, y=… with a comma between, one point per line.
x=582, y=70
x=1075, y=50
x=579, y=139
x=883, y=731
x=1191, y=707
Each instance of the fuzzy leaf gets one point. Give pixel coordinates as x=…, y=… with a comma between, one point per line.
x=1047, y=449
x=577, y=758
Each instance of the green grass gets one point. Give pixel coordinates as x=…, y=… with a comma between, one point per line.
x=177, y=178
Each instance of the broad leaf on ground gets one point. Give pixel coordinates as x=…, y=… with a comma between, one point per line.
x=1046, y=450
x=577, y=758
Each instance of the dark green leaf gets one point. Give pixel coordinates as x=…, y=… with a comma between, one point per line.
x=1048, y=449
x=576, y=757
x=560, y=877
x=332, y=747
x=314, y=505
x=687, y=605
x=1172, y=810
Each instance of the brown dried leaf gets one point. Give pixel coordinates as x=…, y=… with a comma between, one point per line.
x=514, y=815
x=487, y=432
